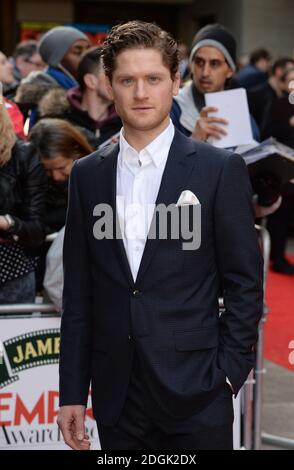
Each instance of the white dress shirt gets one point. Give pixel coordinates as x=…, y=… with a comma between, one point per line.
x=138, y=180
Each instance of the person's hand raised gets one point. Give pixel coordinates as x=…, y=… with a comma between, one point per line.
x=208, y=126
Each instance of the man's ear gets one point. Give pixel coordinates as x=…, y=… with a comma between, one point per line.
x=176, y=83
x=90, y=81
x=230, y=73
x=109, y=87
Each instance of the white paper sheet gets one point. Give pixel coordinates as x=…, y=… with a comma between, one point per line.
x=233, y=106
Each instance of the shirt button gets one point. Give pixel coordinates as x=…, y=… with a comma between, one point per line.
x=136, y=293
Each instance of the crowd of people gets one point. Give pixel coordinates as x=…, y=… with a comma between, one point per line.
x=57, y=108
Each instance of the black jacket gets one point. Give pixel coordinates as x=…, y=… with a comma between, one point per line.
x=56, y=205
x=170, y=314
x=23, y=184
x=260, y=101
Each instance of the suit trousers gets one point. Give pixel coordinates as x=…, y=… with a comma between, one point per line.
x=143, y=425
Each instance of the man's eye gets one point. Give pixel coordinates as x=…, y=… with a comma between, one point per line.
x=126, y=81
x=199, y=62
x=215, y=64
x=154, y=79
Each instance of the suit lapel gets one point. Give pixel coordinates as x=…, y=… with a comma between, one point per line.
x=178, y=168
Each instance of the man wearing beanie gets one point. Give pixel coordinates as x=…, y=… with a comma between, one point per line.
x=61, y=48
x=212, y=62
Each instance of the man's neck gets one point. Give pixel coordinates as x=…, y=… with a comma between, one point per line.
x=139, y=139
x=198, y=97
x=96, y=107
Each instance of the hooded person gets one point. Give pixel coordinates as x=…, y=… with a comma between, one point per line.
x=61, y=49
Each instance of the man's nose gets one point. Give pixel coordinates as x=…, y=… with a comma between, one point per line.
x=140, y=90
x=206, y=69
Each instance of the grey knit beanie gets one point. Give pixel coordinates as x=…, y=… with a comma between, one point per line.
x=56, y=42
x=216, y=35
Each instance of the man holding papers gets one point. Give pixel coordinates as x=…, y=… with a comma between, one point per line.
x=213, y=63
x=212, y=59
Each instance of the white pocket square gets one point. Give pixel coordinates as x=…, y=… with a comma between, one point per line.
x=187, y=198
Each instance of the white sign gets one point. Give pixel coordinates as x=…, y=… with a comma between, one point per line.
x=29, y=386
x=232, y=105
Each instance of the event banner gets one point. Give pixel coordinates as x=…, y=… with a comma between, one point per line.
x=29, y=352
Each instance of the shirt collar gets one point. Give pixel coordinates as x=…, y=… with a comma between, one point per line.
x=156, y=151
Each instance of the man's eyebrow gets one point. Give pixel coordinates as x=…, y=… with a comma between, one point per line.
x=128, y=75
x=124, y=75
x=204, y=58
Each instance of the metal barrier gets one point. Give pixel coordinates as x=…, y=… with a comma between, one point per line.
x=27, y=308
x=277, y=441
x=259, y=371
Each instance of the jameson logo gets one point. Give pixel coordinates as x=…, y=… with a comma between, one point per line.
x=29, y=350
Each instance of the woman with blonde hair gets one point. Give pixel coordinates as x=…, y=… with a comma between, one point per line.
x=22, y=198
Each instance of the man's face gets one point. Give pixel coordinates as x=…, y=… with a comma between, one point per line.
x=6, y=68
x=29, y=64
x=210, y=70
x=143, y=89
x=264, y=65
x=72, y=58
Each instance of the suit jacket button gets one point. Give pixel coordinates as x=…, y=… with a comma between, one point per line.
x=136, y=293
x=130, y=338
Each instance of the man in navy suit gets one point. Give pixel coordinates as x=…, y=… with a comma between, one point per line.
x=140, y=313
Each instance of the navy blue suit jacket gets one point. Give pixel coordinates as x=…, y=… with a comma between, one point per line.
x=170, y=315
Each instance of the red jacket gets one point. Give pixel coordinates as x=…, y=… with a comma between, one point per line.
x=16, y=118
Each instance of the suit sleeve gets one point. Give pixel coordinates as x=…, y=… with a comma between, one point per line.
x=241, y=269
x=75, y=346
